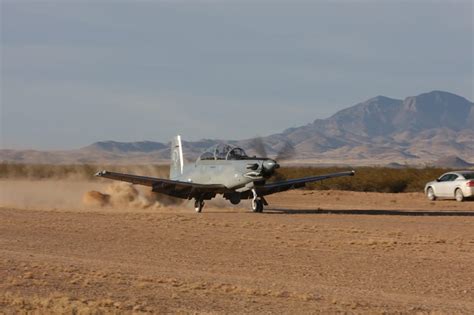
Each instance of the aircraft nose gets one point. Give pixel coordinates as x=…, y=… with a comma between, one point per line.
x=270, y=165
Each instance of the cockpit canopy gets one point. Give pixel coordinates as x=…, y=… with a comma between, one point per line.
x=223, y=151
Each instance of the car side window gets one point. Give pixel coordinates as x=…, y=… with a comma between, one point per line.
x=453, y=177
x=445, y=178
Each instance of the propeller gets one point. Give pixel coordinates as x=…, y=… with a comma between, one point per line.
x=259, y=147
x=269, y=166
x=287, y=151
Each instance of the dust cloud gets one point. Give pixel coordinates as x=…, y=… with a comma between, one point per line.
x=79, y=195
x=129, y=196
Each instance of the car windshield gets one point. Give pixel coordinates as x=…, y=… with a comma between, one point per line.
x=468, y=175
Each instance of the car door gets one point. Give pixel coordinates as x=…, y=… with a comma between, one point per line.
x=451, y=185
x=445, y=185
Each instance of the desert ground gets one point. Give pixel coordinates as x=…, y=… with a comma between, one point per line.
x=65, y=249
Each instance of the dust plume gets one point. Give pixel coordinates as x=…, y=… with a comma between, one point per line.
x=74, y=187
x=74, y=172
x=128, y=196
x=44, y=194
x=79, y=195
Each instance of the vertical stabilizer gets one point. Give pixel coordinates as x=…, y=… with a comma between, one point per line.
x=177, y=162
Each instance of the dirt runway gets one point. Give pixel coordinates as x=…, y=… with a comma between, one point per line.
x=312, y=252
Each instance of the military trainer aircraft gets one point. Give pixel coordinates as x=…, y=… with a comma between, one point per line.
x=222, y=169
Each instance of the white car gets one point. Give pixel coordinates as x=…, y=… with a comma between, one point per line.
x=457, y=185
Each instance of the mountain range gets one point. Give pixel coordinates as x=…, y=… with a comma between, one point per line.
x=417, y=130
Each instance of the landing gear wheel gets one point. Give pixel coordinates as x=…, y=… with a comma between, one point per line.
x=257, y=205
x=459, y=196
x=198, y=205
x=430, y=194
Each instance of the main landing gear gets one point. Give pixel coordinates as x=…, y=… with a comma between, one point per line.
x=257, y=202
x=198, y=205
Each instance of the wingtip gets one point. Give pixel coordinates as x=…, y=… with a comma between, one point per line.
x=100, y=173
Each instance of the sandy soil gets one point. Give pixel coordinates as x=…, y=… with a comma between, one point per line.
x=311, y=252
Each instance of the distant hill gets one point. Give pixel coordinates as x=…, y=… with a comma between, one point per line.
x=396, y=165
x=424, y=127
x=417, y=130
x=453, y=162
x=124, y=147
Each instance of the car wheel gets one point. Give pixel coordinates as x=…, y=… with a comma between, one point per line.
x=459, y=196
x=430, y=194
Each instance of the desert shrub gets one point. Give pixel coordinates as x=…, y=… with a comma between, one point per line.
x=77, y=171
x=370, y=179
x=375, y=179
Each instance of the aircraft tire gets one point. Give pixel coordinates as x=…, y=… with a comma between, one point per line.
x=198, y=205
x=257, y=206
x=260, y=206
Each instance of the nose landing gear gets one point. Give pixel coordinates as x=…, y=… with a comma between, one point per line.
x=257, y=202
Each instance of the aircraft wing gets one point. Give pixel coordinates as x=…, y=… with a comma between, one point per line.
x=272, y=188
x=173, y=188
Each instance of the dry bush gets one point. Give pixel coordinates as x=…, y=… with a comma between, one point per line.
x=76, y=171
x=374, y=179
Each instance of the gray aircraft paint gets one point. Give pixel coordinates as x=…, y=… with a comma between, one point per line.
x=232, y=174
x=222, y=169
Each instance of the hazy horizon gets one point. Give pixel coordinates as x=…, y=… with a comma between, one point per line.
x=76, y=73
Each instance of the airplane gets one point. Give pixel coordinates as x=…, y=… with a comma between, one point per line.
x=222, y=169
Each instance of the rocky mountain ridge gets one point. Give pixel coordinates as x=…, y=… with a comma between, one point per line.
x=417, y=130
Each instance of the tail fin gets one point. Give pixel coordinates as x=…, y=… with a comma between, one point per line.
x=177, y=162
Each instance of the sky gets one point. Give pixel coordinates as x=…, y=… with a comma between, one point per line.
x=76, y=72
